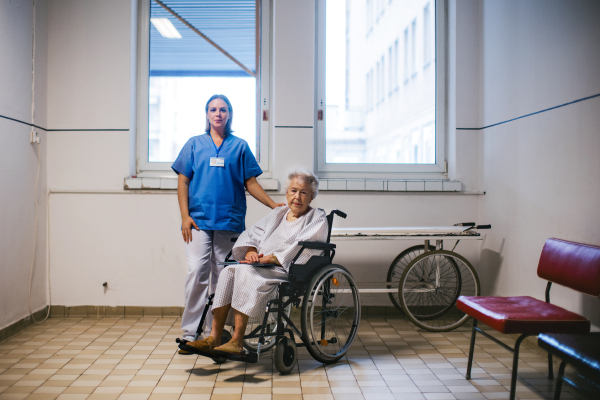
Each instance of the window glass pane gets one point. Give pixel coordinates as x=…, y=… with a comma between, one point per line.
x=185, y=70
x=370, y=117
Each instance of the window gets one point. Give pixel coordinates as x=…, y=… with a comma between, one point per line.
x=406, y=73
x=390, y=72
x=413, y=48
x=187, y=51
x=426, y=36
x=371, y=125
x=396, y=65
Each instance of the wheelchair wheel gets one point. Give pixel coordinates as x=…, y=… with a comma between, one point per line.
x=397, y=269
x=225, y=337
x=270, y=341
x=430, y=285
x=330, y=313
x=286, y=355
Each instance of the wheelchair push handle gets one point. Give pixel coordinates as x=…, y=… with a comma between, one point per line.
x=465, y=224
x=339, y=213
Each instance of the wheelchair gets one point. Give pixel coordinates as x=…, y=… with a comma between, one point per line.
x=329, y=301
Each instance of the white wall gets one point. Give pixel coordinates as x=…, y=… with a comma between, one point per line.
x=19, y=160
x=506, y=59
x=132, y=241
x=540, y=172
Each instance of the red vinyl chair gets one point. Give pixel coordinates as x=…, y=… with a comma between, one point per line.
x=574, y=265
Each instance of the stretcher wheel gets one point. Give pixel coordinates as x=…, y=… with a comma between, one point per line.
x=397, y=269
x=225, y=337
x=286, y=355
x=330, y=313
x=430, y=285
x=270, y=341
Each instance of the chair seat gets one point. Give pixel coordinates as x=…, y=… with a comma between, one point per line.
x=580, y=351
x=522, y=314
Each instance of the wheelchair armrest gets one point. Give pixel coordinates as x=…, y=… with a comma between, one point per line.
x=317, y=245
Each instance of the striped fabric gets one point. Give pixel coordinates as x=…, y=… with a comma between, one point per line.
x=248, y=289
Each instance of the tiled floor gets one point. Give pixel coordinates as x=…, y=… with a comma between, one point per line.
x=135, y=359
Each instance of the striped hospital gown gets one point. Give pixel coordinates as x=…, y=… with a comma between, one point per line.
x=248, y=289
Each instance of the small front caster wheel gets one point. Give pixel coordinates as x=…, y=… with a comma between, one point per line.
x=225, y=338
x=286, y=355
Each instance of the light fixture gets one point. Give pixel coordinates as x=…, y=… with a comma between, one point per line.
x=165, y=28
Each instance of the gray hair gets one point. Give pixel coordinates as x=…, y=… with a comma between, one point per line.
x=304, y=175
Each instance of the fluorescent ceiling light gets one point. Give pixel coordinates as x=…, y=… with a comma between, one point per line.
x=165, y=28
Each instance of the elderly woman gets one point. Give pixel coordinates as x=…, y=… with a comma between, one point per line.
x=245, y=290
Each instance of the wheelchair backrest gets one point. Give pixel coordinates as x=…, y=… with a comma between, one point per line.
x=330, y=221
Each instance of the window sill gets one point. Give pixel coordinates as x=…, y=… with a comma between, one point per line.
x=170, y=183
x=374, y=185
x=345, y=185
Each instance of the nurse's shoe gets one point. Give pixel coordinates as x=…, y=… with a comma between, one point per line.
x=203, y=347
x=231, y=348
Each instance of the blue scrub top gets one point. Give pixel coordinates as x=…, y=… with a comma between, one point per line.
x=217, y=196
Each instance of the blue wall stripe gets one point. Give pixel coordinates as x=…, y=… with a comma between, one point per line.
x=528, y=115
x=63, y=130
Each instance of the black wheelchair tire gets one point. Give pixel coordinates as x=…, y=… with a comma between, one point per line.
x=306, y=337
x=225, y=337
x=286, y=356
x=397, y=268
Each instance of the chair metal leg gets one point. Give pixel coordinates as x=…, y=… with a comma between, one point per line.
x=471, y=349
x=559, y=380
x=513, y=380
x=550, y=367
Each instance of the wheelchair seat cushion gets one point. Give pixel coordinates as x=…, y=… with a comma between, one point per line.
x=522, y=314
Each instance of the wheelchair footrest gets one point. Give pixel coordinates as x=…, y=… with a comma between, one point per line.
x=248, y=357
x=183, y=346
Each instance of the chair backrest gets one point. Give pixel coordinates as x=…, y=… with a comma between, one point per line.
x=574, y=265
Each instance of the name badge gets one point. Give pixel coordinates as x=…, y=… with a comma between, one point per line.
x=217, y=162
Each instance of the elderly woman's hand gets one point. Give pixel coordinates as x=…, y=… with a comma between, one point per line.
x=251, y=256
x=269, y=260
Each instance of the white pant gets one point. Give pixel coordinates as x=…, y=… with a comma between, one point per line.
x=202, y=254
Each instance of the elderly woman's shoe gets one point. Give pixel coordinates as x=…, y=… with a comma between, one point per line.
x=203, y=347
x=230, y=348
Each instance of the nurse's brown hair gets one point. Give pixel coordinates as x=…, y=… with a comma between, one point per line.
x=228, y=129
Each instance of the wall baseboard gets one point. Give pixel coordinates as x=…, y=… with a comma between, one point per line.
x=141, y=311
x=22, y=324
x=118, y=311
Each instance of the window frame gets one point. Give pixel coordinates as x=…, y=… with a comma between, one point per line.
x=386, y=171
x=263, y=93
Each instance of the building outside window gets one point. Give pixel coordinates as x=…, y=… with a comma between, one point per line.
x=413, y=48
x=426, y=36
x=362, y=132
x=390, y=72
x=406, y=59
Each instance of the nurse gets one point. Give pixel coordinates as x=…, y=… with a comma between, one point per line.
x=213, y=170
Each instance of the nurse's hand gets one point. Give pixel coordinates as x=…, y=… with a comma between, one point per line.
x=186, y=228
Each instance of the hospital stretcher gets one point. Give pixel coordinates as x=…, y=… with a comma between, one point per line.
x=424, y=281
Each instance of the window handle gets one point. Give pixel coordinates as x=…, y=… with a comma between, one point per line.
x=265, y=115
x=320, y=115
